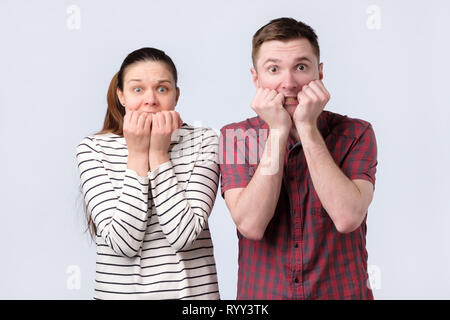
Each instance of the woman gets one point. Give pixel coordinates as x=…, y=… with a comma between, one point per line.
x=149, y=184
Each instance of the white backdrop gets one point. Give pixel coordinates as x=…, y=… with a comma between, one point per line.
x=384, y=61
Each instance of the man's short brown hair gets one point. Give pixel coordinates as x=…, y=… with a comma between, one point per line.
x=284, y=29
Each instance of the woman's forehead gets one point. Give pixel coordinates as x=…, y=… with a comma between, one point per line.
x=148, y=70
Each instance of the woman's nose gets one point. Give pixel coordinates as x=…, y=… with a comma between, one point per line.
x=150, y=98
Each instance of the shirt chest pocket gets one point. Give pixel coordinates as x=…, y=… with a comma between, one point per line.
x=315, y=206
x=339, y=147
x=317, y=209
x=251, y=170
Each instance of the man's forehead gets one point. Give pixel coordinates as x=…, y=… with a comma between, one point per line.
x=277, y=49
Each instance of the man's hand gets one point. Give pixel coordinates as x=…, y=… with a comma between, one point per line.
x=312, y=100
x=268, y=105
x=164, y=123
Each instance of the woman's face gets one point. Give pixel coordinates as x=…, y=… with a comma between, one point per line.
x=148, y=86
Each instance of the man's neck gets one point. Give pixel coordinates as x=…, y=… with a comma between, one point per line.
x=294, y=133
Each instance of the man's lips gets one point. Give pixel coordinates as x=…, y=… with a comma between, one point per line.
x=288, y=101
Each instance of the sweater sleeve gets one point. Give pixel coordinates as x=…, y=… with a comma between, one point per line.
x=183, y=214
x=120, y=216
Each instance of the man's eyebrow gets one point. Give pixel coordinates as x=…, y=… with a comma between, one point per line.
x=273, y=60
x=303, y=59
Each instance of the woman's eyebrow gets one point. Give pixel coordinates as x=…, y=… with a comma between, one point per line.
x=159, y=81
x=164, y=80
x=138, y=80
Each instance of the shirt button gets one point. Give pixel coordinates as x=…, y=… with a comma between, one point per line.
x=296, y=280
x=296, y=245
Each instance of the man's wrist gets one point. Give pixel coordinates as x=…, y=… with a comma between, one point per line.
x=281, y=132
x=306, y=131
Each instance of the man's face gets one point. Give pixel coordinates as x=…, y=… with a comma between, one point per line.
x=286, y=66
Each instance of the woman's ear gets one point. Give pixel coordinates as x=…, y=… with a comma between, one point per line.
x=178, y=95
x=119, y=94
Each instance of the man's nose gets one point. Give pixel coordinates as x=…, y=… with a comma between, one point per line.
x=288, y=81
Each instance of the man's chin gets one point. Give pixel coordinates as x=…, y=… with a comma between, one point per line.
x=290, y=109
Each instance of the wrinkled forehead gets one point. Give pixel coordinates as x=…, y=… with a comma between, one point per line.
x=289, y=51
x=154, y=71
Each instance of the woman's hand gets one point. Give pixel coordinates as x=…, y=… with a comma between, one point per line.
x=136, y=130
x=164, y=123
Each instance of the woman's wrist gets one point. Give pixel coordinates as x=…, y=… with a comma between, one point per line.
x=157, y=158
x=138, y=161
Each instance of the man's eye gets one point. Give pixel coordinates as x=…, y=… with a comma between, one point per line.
x=301, y=67
x=138, y=90
x=273, y=69
x=162, y=89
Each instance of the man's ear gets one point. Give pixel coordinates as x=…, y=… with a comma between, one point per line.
x=321, y=71
x=254, y=77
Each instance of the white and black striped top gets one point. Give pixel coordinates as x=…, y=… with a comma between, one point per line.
x=153, y=240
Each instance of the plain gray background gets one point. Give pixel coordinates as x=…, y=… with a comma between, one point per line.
x=384, y=61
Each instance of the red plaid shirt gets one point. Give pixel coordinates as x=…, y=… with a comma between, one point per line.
x=302, y=255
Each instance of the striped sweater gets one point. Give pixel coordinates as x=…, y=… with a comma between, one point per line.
x=153, y=240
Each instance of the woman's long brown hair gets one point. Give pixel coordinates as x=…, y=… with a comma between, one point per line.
x=113, y=122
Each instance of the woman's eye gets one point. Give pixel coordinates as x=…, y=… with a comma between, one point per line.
x=301, y=67
x=273, y=69
x=162, y=89
x=138, y=90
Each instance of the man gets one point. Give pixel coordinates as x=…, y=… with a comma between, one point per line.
x=300, y=207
